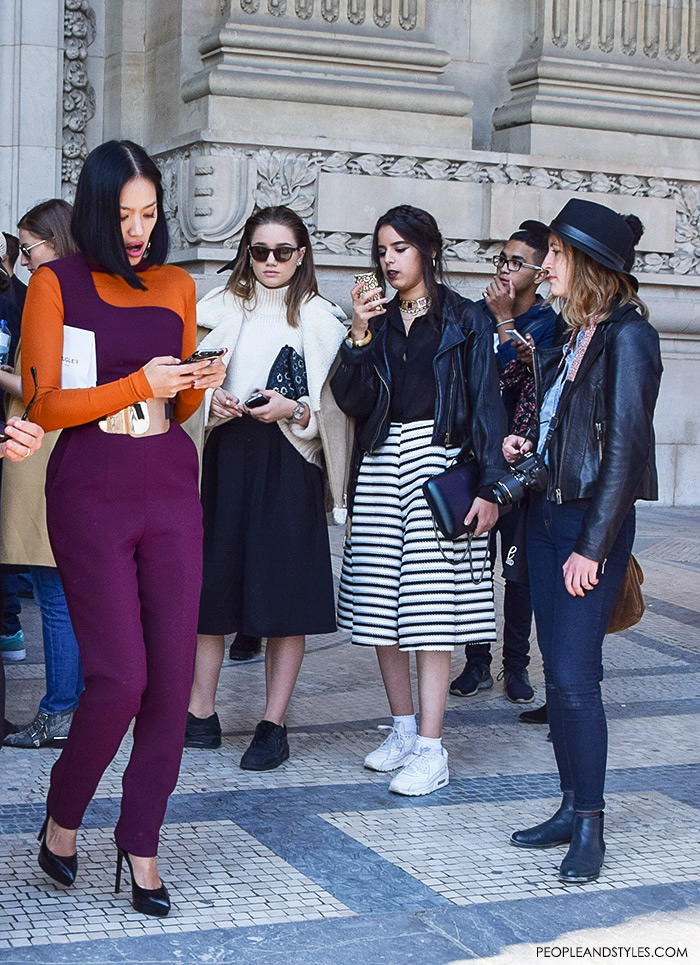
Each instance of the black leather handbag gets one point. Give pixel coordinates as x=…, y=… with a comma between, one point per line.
x=288, y=374
x=450, y=494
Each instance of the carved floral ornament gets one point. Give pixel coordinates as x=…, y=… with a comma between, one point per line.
x=357, y=12
x=78, y=93
x=290, y=178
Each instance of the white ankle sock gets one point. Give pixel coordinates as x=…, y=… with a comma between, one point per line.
x=431, y=744
x=407, y=724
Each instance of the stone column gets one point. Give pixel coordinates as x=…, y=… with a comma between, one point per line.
x=310, y=70
x=31, y=77
x=613, y=79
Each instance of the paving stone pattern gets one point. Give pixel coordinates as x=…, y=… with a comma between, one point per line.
x=316, y=862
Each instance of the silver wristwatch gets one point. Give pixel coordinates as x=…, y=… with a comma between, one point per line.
x=299, y=412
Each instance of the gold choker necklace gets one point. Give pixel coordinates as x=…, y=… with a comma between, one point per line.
x=419, y=306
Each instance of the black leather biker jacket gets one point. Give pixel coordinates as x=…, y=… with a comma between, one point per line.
x=602, y=445
x=469, y=412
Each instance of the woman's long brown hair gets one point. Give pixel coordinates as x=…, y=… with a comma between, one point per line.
x=595, y=291
x=302, y=286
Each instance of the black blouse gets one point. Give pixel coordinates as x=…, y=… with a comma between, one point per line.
x=411, y=365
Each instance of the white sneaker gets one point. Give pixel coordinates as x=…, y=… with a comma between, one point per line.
x=392, y=752
x=425, y=772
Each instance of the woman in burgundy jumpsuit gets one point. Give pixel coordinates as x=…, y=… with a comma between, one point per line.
x=122, y=504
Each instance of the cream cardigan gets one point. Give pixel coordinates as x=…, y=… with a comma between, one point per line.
x=327, y=440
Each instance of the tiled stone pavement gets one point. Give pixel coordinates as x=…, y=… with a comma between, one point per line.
x=316, y=863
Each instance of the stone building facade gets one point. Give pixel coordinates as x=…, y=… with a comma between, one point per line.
x=485, y=112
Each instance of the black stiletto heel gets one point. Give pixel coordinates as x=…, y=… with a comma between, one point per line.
x=149, y=901
x=62, y=868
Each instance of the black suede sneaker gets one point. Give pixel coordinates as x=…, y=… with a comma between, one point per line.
x=516, y=684
x=268, y=748
x=203, y=732
x=476, y=676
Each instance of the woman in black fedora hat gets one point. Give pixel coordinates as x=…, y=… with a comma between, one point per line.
x=598, y=389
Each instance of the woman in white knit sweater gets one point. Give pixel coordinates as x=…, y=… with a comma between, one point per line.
x=262, y=474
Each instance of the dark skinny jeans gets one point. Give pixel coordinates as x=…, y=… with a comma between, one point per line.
x=570, y=632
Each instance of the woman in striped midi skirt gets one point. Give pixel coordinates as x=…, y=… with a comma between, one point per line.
x=418, y=375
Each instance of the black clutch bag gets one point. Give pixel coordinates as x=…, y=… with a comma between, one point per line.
x=450, y=494
x=288, y=374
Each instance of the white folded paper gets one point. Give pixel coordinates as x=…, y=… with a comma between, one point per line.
x=79, y=359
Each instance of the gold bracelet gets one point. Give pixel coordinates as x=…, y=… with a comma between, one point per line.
x=360, y=342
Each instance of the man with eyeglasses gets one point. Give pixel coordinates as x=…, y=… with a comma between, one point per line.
x=512, y=303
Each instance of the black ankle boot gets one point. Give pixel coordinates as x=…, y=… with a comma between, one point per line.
x=149, y=901
x=551, y=833
x=62, y=868
x=586, y=852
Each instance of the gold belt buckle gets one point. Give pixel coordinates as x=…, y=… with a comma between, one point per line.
x=134, y=420
x=139, y=419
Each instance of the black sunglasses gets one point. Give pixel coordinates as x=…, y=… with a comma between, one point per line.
x=31, y=402
x=3, y=436
x=280, y=253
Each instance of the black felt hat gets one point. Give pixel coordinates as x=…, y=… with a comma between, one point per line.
x=597, y=230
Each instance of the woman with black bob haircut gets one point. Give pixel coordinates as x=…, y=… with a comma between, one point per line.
x=122, y=501
x=99, y=189
x=599, y=383
x=418, y=374
x=273, y=444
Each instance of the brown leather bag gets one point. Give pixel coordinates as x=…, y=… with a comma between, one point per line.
x=630, y=606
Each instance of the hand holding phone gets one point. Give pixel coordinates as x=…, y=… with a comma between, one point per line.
x=256, y=400
x=203, y=356
x=517, y=337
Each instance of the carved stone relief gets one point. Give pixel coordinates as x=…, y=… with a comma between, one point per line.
x=78, y=93
x=656, y=28
x=265, y=177
x=357, y=12
x=207, y=195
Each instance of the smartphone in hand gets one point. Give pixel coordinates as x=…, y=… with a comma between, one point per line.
x=368, y=280
x=203, y=356
x=256, y=400
x=517, y=337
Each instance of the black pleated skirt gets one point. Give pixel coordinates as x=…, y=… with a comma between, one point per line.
x=267, y=565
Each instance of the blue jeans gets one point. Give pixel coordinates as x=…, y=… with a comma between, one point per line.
x=64, y=678
x=12, y=607
x=570, y=632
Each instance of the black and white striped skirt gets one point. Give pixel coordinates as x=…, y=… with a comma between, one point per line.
x=395, y=584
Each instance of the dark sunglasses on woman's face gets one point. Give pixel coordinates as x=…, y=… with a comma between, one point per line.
x=280, y=253
x=27, y=249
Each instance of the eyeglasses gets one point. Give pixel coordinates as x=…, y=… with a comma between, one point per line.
x=512, y=264
x=30, y=405
x=25, y=249
x=280, y=253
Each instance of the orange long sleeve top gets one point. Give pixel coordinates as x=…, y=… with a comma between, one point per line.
x=42, y=345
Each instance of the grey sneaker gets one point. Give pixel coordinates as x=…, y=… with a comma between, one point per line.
x=46, y=730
